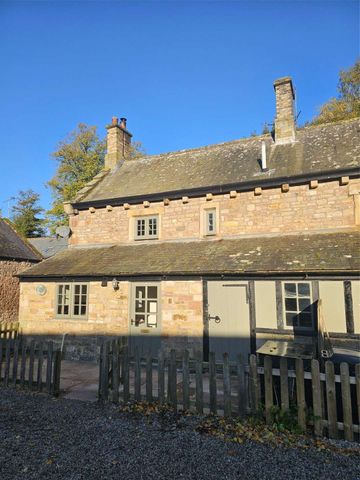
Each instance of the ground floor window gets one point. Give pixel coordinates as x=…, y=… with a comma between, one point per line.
x=72, y=300
x=146, y=308
x=298, y=304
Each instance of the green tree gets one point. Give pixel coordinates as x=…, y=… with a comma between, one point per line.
x=347, y=103
x=25, y=214
x=80, y=157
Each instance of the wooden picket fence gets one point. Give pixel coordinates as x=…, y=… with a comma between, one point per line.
x=30, y=365
x=9, y=330
x=233, y=388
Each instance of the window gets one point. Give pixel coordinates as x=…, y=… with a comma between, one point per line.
x=146, y=306
x=146, y=227
x=71, y=300
x=298, y=304
x=210, y=222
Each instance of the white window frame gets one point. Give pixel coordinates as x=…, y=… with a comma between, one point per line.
x=312, y=313
x=147, y=219
x=72, y=314
x=134, y=299
x=207, y=221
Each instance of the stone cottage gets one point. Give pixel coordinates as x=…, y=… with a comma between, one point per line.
x=216, y=248
x=16, y=255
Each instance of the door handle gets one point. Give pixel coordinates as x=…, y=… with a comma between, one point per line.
x=216, y=318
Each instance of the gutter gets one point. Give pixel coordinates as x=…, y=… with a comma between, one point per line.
x=224, y=188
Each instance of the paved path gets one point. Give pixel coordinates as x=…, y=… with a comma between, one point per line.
x=79, y=380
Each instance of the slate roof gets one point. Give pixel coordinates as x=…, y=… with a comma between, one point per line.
x=330, y=252
x=13, y=247
x=317, y=149
x=49, y=246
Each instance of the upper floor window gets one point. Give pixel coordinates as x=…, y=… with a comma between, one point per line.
x=210, y=221
x=146, y=227
x=72, y=300
x=298, y=304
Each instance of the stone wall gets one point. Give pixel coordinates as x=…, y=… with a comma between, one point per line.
x=9, y=289
x=275, y=210
x=181, y=316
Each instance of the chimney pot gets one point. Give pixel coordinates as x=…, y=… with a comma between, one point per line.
x=123, y=123
x=114, y=120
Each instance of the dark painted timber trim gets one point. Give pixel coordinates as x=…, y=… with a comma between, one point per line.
x=219, y=189
x=215, y=276
x=206, y=339
x=279, y=304
x=349, y=311
x=252, y=316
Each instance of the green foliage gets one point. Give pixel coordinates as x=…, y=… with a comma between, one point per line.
x=347, y=104
x=265, y=129
x=285, y=420
x=25, y=214
x=80, y=157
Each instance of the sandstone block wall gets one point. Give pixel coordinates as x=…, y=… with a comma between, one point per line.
x=300, y=209
x=10, y=289
x=108, y=315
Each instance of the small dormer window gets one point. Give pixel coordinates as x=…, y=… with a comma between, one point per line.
x=210, y=221
x=146, y=227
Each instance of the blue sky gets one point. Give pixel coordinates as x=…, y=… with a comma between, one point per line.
x=185, y=74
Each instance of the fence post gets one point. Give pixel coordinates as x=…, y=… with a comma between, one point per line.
x=126, y=374
x=49, y=361
x=331, y=399
x=105, y=371
x=316, y=397
x=15, y=361
x=173, y=380
x=161, y=378
x=212, y=383
x=346, y=401
x=242, y=390
x=23, y=362
x=7, y=362
x=227, y=386
x=284, y=384
x=137, y=375
x=268, y=383
x=57, y=373
x=186, y=380
x=31, y=364
x=199, y=382
x=40, y=358
x=300, y=393
x=115, y=371
x=149, y=383
x=254, y=384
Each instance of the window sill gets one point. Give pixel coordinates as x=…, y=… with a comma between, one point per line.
x=70, y=319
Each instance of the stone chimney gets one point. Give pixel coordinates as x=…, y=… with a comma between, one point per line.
x=285, y=112
x=118, y=142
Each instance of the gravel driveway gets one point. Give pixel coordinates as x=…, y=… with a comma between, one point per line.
x=41, y=437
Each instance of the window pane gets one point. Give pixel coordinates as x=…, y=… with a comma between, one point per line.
x=140, y=228
x=77, y=289
x=139, y=319
x=140, y=306
x=152, y=292
x=151, y=306
x=152, y=226
x=290, y=304
x=59, y=310
x=83, y=310
x=66, y=310
x=291, y=319
x=76, y=299
x=84, y=289
x=304, y=304
x=140, y=292
x=151, y=320
x=304, y=289
x=290, y=289
x=76, y=310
